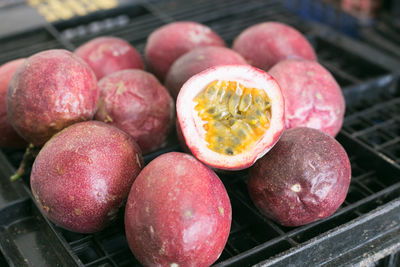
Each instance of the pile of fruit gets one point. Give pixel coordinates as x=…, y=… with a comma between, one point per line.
x=266, y=104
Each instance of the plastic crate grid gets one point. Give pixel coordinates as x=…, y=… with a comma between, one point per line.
x=377, y=124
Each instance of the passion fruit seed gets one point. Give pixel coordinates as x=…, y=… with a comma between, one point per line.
x=235, y=116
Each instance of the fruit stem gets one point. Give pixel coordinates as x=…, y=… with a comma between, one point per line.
x=29, y=155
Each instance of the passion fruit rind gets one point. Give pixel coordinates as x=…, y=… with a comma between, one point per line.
x=313, y=97
x=304, y=178
x=8, y=136
x=232, y=138
x=167, y=43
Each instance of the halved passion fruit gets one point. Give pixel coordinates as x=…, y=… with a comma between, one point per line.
x=230, y=116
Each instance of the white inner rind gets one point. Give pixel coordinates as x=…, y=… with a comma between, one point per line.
x=192, y=125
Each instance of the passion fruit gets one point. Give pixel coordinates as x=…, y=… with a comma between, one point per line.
x=231, y=115
x=107, y=54
x=83, y=174
x=197, y=60
x=313, y=97
x=169, y=42
x=136, y=102
x=8, y=136
x=304, y=178
x=50, y=91
x=178, y=213
x=265, y=44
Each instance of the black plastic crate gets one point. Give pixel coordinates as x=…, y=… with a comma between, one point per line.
x=383, y=35
x=373, y=119
x=364, y=230
x=381, y=30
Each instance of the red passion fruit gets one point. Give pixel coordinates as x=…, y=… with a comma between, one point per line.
x=265, y=44
x=305, y=177
x=8, y=136
x=230, y=116
x=313, y=98
x=169, y=42
x=83, y=175
x=178, y=213
x=196, y=61
x=50, y=91
x=136, y=102
x=107, y=54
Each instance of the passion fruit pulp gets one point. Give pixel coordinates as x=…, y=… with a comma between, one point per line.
x=230, y=115
x=196, y=61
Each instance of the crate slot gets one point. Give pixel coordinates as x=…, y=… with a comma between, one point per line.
x=375, y=121
x=250, y=237
x=324, y=226
x=393, y=152
x=391, y=260
x=375, y=138
x=101, y=263
x=373, y=184
x=125, y=258
x=349, y=68
x=354, y=194
x=74, y=238
x=113, y=243
x=28, y=239
x=3, y=261
x=88, y=252
x=355, y=125
x=274, y=248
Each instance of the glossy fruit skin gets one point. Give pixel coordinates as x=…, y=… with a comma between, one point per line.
x=106, y=55
x=83, y=175
x=9, y=138
x=191, y=124
x=135, y=102
x=50, y=91
x=265, y=44
x=304, y=178
x=169, y=42
x=178, y=211
x=313, y=97
x=196, y=61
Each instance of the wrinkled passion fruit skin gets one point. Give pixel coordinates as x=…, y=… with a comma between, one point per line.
x=169, y=42
x=178, y=212
x=50, y=91
x=304, y=178
x=313, y=97
x=135, y=102
x=83, y=175
x=265, y=44
x=8, y=136
x=196, y=61
x=106, y=55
